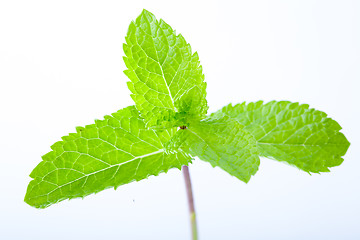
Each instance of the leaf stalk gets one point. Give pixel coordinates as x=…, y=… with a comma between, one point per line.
x=190, y=198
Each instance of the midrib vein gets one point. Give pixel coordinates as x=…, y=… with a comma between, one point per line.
x=158, y=61
x=104, y=169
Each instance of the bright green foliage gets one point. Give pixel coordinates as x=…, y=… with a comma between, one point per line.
x=169, y=91
x=109, y=153
x=166, y=78
x=222, y=142
x=292, y=133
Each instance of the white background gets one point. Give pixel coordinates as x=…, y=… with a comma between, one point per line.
x=61, y=66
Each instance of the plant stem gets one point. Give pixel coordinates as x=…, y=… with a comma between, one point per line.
x=185, y=170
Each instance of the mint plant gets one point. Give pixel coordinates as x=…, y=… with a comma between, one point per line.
x=169, y=126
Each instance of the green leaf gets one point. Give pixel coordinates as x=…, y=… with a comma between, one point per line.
x=222, y=142
x=293, y=133
x=109, y=153
x=167, y=82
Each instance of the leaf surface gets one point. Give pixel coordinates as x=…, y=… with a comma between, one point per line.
x=167, y=82
x=293, y=133
x=222, y=142
x=109, y=153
